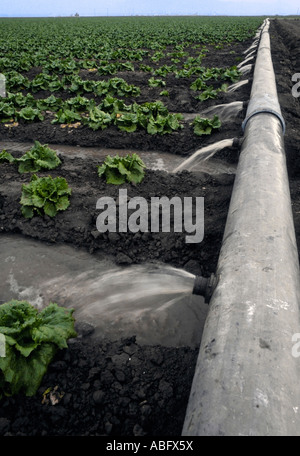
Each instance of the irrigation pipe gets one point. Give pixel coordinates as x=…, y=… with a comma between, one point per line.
x=247, y=378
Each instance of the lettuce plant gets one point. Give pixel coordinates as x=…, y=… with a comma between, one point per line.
x=164, y=124
x=152, y=82
x=7, y=111
x=198, y=84
x=65, y=116
x=31, y=340
x=28, y=113
x=45, y=195
x=203, y=126
x=118, y=170
x=49, y=104
x=37, y=158
x=98, y=119
x=127, y=121
x=6, y=157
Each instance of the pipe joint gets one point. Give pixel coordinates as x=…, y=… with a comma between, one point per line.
x=237, y=143
x=264, y=111
x=205, y=286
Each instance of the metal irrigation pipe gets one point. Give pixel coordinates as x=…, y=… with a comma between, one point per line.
x=246, y=380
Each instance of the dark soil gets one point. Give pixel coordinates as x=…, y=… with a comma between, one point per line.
x=119, y=388
x=77, y=225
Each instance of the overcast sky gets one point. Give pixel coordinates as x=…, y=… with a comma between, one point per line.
x=12, y=8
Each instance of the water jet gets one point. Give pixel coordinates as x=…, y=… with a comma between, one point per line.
x=226, y=111
x=246, y=69
x=207, y=152
x=237, y=85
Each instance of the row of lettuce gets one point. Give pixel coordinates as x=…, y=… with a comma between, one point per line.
x=73, y=83
x=152, y=117
x=82, y=107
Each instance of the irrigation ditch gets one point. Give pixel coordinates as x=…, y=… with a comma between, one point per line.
x=120, y=386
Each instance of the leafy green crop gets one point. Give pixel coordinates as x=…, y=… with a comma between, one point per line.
x=210, y=92
x=45, y=195
x=203, y=126
x=118, y=170
x=198, y=84
x=6, y=156
x=51, y=103
x=31, y=340
x=98, y=119
x=7, y=111
x=72, y=54
x=152, y=82
x=37, y=158
x=66, y=116
x=28, y=113
x=164, y=124
x=164, y=93
x=129, y=121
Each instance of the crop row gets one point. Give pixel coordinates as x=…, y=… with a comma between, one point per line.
x=32, y=42
x=153, y=117
x=109, y=64
x=73, y=83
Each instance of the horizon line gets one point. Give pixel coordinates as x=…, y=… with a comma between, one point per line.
x=145, y=15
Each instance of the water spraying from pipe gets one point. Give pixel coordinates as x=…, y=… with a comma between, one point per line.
x=204, y=154
x=237, y=85
x=253, y=46
x=154, y=302
x=225, y=112
x=250, y=53
x=244, y=62
x=246, y=69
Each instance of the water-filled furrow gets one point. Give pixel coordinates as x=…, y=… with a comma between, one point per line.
x=153, y=302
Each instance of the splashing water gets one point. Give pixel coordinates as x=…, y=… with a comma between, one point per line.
x=246, y=69
x=250, y=54
x=121, y=288
x=237, y=85
x=244, y=62
x=225, y=112
x=152, y=302
x=253, y=46
x=203, y=154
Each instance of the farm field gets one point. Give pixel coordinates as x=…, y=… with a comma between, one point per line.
x=127, y=84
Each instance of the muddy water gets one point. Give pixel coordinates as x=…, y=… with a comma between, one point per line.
x=154, y=159
x=154, y=303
